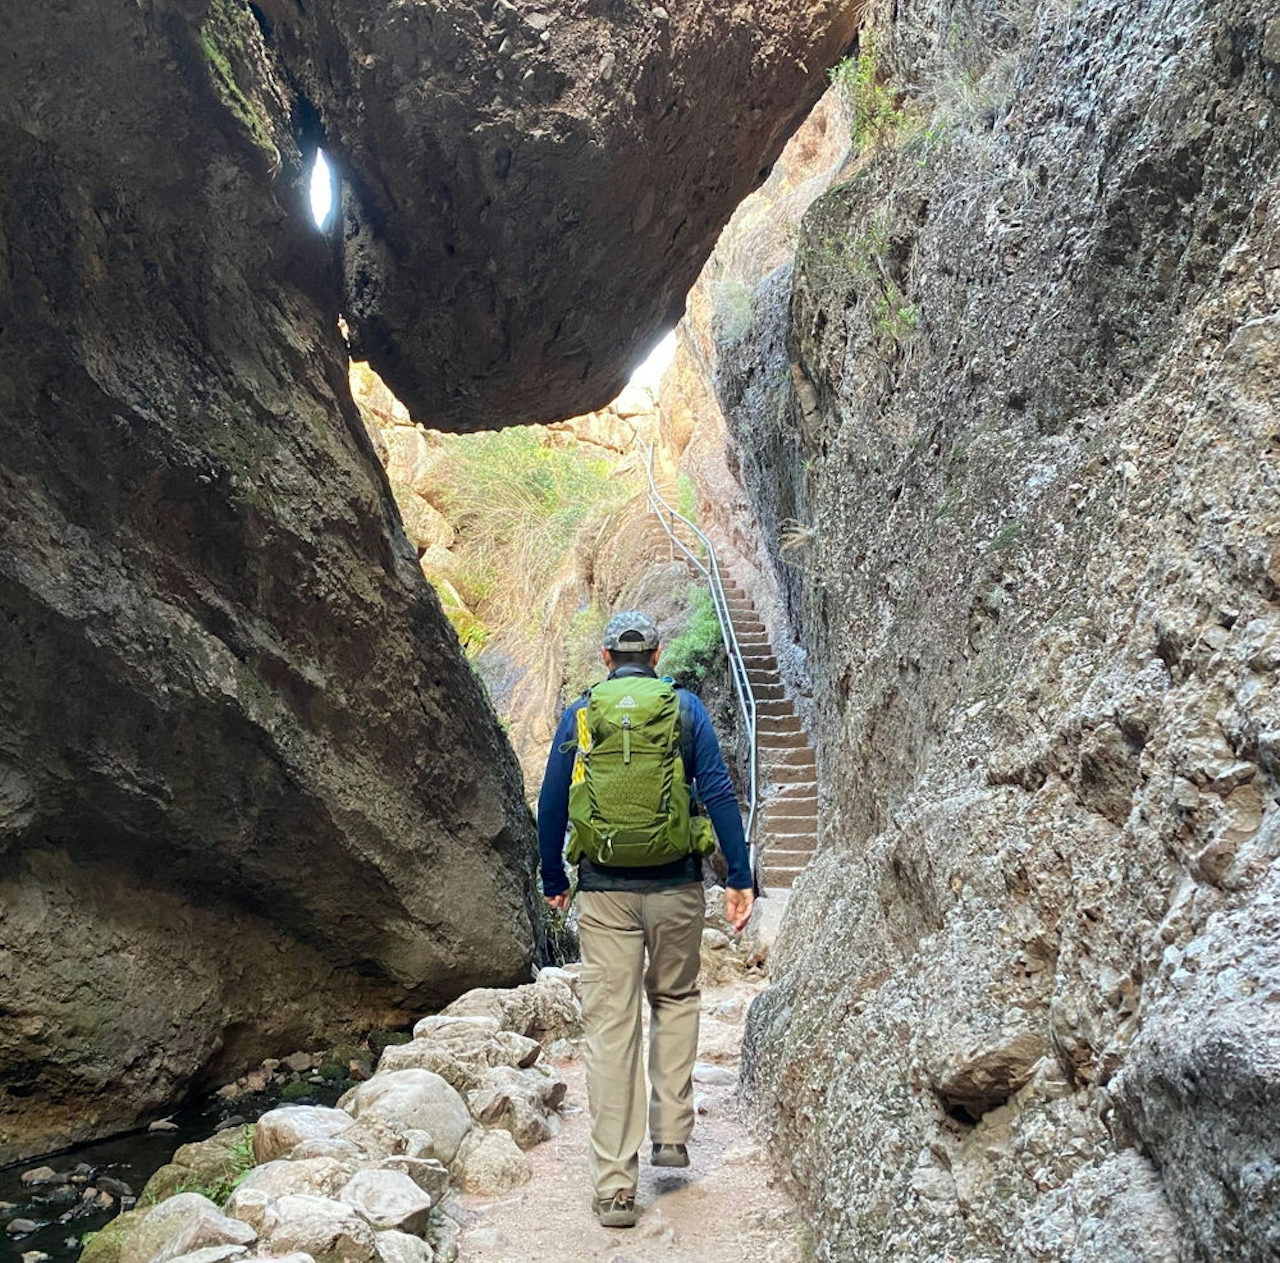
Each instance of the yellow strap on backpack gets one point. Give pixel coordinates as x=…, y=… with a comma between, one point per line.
x=584, y=744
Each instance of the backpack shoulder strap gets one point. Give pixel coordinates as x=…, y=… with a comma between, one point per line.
x=568, y=747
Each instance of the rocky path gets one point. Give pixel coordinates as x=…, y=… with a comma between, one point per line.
x=726, y=1207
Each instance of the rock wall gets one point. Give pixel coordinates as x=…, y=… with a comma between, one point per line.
x=1019, y=395
x=251, y=791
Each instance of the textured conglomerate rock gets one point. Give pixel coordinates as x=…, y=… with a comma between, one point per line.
x=531, y=188
x=249, y=789
x=1020, y=396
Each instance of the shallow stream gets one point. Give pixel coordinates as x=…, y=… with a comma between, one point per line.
x=130, y=1159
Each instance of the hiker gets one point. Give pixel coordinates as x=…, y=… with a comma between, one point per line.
x=618, y=777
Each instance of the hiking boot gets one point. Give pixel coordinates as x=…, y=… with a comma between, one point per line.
x=617, y=1210
x=670, y=1156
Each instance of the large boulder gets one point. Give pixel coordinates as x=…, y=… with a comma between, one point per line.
x=311, y=1177
x=146, y=1235
x=329, y=1231
x=388, y=1200
x=280, y=1131
x=544, y=1010
x=399, y=1247
x=523, y=1102
x=1009, y=421
x=250, y=792
x=206, y=1229
x=413, y=1100
x=568, y=173
x=490, y=1162
x=460, y=1049
x=246, y=772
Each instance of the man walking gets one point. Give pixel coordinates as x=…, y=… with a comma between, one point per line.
x=640, y=882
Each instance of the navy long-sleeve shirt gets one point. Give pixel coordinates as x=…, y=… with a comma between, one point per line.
x=705, y=770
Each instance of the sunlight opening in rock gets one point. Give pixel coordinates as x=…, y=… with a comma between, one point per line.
x=321, y=190
x=649, y=373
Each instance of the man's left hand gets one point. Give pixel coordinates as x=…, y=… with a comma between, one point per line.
x=558, y=903
x=737, y=908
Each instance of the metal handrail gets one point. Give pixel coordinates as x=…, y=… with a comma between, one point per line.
x=710, y=571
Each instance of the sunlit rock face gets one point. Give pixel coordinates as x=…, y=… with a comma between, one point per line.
x=530, y=189
x=1018, y=397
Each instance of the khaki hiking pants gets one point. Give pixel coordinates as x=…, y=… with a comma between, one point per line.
x=617, y=930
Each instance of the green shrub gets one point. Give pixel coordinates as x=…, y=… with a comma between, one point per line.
x=698, y=651
x=686, y=499
x=173, y=1178
x=870, y=102
x=582, y=665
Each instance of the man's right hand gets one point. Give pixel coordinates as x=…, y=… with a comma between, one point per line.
x=737, y=908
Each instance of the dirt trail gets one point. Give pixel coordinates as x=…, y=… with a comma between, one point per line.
x=726, y=1207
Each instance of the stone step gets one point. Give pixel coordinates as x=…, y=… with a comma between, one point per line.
x=766, y=740
x=799, y=762
x=800, y=829
x=792, y=792
x=789, y=824
x=775, y=741
x=798, y=790
x=774, y=706
x=779, y=723
x=783, y=878
x=785, y=840
x=779, y=806
x=768, y=692
x=774, y=856
x=782, y=738
x=777, y=727
x=783, y=804
x=785, y=857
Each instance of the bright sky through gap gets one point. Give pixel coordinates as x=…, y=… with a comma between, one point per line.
x=659, y=360
x=321, y=190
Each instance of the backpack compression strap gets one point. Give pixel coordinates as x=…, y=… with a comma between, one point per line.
x=685, y=699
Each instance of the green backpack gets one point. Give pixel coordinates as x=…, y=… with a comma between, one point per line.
x=629, y=802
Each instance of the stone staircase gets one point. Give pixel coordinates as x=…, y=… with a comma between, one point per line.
x=787, y=819
x=787, y=813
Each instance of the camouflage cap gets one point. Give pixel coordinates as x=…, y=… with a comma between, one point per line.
x=631, y=631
